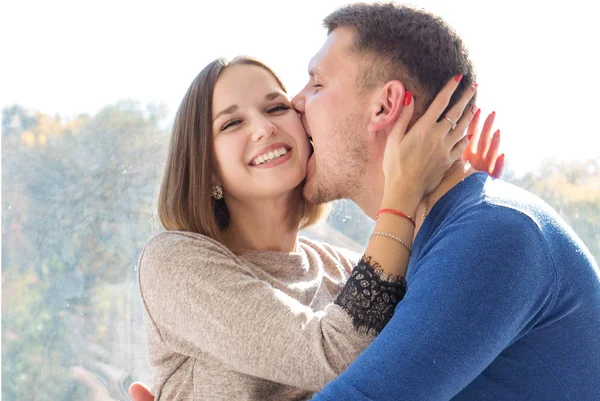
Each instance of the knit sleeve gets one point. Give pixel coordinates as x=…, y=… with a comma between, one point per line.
x=202, y=299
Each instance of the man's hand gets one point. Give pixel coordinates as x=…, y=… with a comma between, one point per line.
x=139, y=392
x=483, y=149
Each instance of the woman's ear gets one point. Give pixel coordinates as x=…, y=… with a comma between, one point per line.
x=215, y=180
x=386, y=106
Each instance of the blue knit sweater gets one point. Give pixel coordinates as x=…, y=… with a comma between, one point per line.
x=503, y=303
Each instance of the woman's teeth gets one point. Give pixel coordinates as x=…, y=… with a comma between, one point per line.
x=269, y=156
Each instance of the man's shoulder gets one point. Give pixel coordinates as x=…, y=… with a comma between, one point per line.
x=499, y=205
x=492, y=224
x=486, y=238
x=492, y=218
x=505, y=194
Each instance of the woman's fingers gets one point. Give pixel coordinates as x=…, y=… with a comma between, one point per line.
x=473, y=132
x=485, y=137
x=492, y=153
x=458, y=133
x=441, y=101
x=459, y=148
x=457, y=136
x=499, y=168
x=140, y=392
x=484, y=149
x=401, y=125
x=455, y=113
x=396, y=136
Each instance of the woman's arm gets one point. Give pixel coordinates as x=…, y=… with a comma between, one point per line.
x=202, y=299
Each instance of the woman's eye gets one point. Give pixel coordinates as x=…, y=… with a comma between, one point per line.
x=279, y=107
x=230, y=124
x=317, y=86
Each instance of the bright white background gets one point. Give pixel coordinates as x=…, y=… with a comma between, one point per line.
x=536, y=60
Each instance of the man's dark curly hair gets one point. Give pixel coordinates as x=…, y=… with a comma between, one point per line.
x=413, y=46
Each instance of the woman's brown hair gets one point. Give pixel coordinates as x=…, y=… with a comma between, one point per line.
x=184, y=201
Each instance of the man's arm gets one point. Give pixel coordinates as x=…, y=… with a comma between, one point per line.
x=478, y=284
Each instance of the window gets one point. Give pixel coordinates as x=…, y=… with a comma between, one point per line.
x=80, y=168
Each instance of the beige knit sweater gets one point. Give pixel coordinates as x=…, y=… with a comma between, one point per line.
x=260, y=326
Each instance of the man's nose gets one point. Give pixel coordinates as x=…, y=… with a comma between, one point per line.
x=298, y=102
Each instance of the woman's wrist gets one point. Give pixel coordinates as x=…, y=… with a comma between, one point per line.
x=402, y=198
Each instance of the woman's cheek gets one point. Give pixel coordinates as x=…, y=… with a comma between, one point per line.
x=226, y=153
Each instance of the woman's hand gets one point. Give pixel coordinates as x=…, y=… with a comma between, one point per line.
x=414, y=165
x=139, y=392
x=415, y=162
x=483, y=149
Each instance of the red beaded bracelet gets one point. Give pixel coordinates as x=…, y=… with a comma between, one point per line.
x=397, y=213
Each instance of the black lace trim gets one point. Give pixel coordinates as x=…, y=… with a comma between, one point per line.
x=370, y=296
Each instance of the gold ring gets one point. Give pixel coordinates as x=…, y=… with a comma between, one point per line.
x=452, y=123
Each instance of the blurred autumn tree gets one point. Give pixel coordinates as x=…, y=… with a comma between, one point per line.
x=77, y=206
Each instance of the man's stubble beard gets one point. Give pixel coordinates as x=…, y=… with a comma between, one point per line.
x=339, y=177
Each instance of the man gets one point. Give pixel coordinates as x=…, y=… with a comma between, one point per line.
x=503, y=299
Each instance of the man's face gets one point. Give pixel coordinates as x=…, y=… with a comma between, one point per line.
x=336, y=118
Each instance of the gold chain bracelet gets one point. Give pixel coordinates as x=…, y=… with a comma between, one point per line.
x=390, y=236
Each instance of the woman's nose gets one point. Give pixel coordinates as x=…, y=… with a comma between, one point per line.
x=264, y=128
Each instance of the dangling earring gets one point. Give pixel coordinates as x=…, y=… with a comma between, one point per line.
x=216, y=192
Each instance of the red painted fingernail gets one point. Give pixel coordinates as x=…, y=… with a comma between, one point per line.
x=470, y=137
x=458, y=77
x=407, y=98
x=497, y=132
x=475, y=110
x=493, y=113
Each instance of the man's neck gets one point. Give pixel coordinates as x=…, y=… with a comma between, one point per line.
x=370, y=198
x=455, y=174
x=370, y=195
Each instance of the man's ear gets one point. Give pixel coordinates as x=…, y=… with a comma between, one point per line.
x=386, y=106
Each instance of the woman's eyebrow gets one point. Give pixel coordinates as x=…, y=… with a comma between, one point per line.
x=273, y=95
x=228, y=110
x=233, y=108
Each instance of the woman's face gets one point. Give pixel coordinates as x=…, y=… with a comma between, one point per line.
x=260, y=144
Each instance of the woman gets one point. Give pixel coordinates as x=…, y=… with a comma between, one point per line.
x=237, y=306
